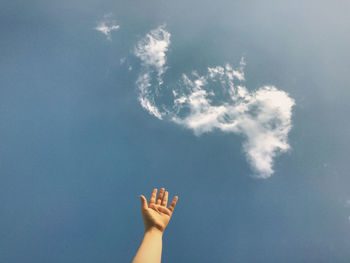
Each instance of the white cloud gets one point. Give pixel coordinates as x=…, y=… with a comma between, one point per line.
x=146, y=97
x=152, y=50
x=263, y=117
x=214, y=101
x=107, y=25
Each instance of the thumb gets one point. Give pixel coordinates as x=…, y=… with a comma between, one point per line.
x=143, y=202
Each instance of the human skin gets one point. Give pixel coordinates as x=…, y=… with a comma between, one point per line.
x=156, y=216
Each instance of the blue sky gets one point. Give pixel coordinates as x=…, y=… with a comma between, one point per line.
x=77, y=147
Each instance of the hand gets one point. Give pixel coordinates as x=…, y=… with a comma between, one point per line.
x=156, y=215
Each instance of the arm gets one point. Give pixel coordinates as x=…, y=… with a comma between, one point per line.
x=156, y=217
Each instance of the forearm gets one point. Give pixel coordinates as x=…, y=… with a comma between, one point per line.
x=150, y=250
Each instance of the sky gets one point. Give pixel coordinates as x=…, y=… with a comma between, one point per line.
x=241, y=108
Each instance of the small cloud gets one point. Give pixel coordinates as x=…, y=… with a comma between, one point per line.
x=152, y=50
x=122, y=60
x=107, y=25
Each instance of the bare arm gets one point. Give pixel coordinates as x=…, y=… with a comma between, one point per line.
x=156, y=217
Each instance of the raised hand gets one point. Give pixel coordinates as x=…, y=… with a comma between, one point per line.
x=156, y=214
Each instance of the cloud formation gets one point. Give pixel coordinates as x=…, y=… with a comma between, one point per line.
x=107, y=25
x=214, y=101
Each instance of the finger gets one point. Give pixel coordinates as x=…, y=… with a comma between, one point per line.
x=165, y=199
x=173, y=203
x=143, y=202
x=152, y=200
x=160, y=196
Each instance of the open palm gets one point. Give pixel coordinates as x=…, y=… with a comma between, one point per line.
x=156, y=214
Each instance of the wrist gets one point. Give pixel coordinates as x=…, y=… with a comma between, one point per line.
x=153, y=231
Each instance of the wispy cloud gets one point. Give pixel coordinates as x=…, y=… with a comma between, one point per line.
x=214, y=101
x=124, y=61
x=107, y=25
x=146, y=97
x=152, y=52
